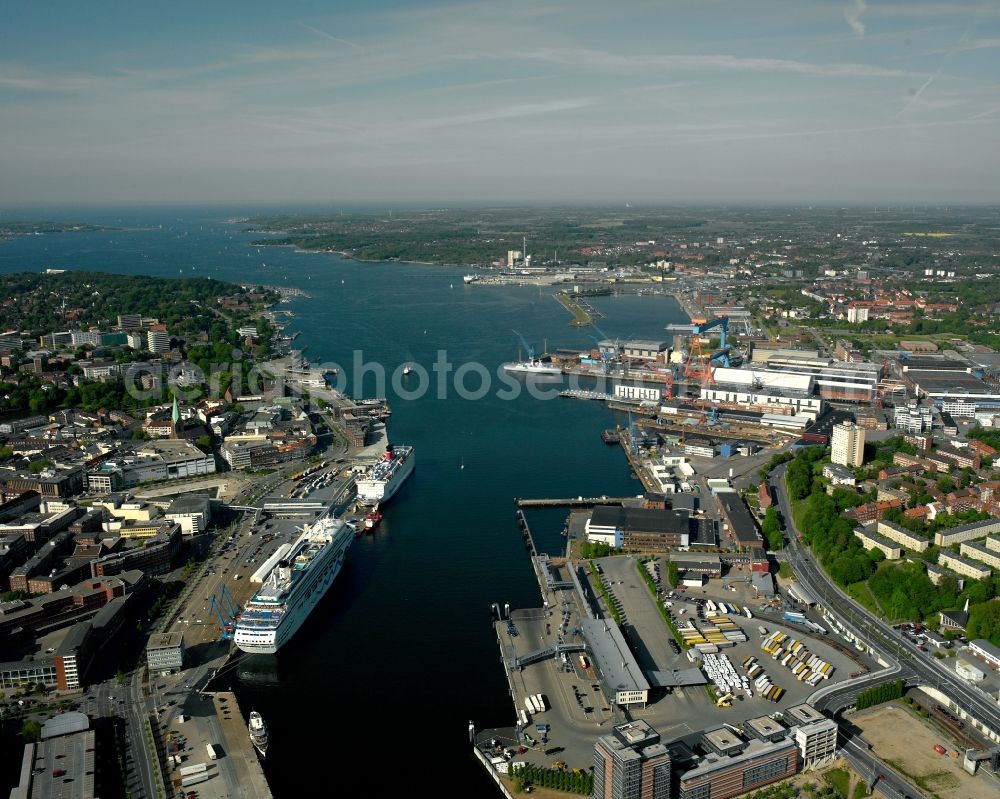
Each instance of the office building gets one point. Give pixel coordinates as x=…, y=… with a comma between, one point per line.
x=816, y=736
x=848, y=445
x=631, y=763
x=157, y=341
x=740, y=767
x=191, y=511
x=129, y=321
x=165, y=652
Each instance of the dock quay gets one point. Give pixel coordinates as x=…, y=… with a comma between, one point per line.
x=579, y=393
x=635, y=463
x=215, y=719
x=728, y=431
x=570, y=502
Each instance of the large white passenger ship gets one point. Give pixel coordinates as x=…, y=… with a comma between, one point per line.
x=383, y=479
x=292, y=588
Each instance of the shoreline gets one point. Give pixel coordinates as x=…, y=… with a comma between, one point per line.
x=348, y=257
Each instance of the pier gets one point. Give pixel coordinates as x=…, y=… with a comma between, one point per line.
x=529, y=540
x=636, y=465
x=570, y=502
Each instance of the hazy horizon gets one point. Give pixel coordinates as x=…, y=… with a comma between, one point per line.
x=462, y=104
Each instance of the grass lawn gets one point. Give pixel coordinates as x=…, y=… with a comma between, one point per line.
x=861, y=594
x=840, y=779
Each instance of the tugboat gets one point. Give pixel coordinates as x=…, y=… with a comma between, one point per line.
x=373, y=519
x=258, y=733
x=610, y=437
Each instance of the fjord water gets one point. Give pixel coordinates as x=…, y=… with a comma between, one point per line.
x=382, y=680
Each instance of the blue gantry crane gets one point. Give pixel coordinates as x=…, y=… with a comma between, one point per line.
x=527, y=347
x=226, y=624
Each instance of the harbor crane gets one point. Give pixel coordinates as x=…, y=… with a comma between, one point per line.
x=698, y=364
x=527, y=347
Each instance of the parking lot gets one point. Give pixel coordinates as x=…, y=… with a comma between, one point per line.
x=577, y=709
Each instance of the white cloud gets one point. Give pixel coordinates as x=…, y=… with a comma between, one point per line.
x=853, y=14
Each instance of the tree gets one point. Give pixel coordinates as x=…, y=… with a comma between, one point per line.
x=31, y=731
x=876, y=554
x=673, y=574
x=984, y=621
x=771, y=528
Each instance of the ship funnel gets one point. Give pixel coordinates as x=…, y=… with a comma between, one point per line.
x=284, y=570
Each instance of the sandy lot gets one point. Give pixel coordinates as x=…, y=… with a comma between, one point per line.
x=907, y=744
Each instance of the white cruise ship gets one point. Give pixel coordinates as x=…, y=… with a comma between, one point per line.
x=383, y=479
x=293, y=587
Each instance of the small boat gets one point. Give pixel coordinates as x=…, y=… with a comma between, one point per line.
x=610, y=437
x=258, y=733
x=373, y=519
x=407, y=370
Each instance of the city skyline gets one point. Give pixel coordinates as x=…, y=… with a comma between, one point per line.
x=841, y=102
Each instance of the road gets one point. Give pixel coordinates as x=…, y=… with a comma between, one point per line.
x=866, y=766
x=135, y=711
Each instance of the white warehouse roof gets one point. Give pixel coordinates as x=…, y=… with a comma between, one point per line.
x=767, y=379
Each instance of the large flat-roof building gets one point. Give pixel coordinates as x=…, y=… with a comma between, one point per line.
x=697, y=562
x=645, y=529
x=192, y=512
x=738, y=522
x=620, y=675
x=757, y=763
x=631, y=763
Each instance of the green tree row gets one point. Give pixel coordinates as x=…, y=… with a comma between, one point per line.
x=877, y=694
x=578, y=782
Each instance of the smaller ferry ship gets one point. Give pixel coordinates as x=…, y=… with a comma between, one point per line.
x=258, y=733
x=383, y=479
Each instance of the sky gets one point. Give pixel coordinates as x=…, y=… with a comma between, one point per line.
x=514, y=102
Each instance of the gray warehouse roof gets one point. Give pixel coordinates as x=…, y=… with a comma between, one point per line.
x=651, y=520
x=677, y=678
x=612, y=657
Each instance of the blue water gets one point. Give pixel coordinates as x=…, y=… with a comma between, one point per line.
x=401, y=654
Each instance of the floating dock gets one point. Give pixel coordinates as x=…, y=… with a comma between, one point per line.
x=571, y=502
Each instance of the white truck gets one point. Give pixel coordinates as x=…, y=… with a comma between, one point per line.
x=213, y=751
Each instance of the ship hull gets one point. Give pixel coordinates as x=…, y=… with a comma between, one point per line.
x=533, y=369
x=372, y=492
x=260, y=641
